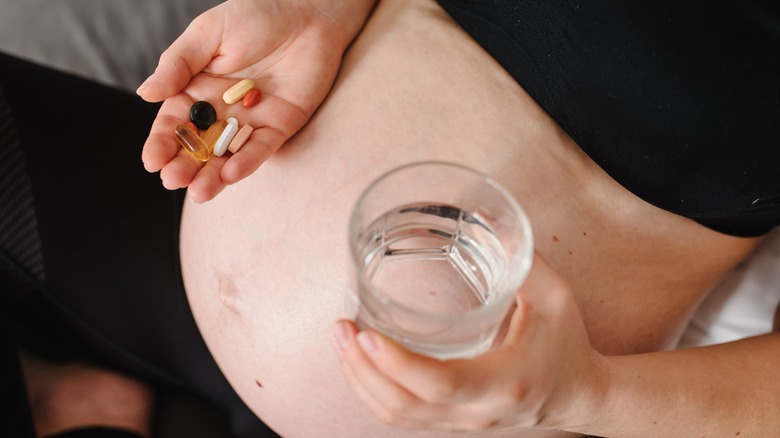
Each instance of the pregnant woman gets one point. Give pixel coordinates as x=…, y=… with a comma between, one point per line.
x=644, y=153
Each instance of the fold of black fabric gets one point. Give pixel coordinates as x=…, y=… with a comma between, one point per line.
x=96, y=432
x=678, y=101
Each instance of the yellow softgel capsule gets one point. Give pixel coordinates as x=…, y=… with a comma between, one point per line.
x=238, y=91
x=212, y=134
x=192, y=143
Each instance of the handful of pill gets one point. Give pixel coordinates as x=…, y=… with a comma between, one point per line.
x=220, y=135
x=238, y=91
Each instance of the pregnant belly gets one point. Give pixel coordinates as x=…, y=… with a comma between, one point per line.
x=265, y=264
x=266, y=272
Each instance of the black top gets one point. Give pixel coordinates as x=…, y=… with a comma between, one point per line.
x=678, y=101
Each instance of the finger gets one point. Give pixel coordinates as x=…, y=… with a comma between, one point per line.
x=207, y=183
x=542, y=295
x=457, y=395
x=188, y=55
x=378, y=405
x=431, y=380
x=180, y=171
x=276, y=120
x=542, y=280
x=161, y=146
x=399, y=405
x=258, y=148
x=389, y=402
x=469, y=381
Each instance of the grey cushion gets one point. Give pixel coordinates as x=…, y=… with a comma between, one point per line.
x=116, y=42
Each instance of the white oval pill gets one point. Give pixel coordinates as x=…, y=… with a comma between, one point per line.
x=238, y=91
x=223, y=141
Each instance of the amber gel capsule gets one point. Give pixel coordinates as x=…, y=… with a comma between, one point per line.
x=193, y=144
x=212, y=134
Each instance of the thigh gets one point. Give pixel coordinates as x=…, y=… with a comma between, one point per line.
x=108, y=287
x=107, y=232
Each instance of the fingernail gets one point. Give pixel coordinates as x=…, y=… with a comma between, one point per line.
x=341, y=336
x=368, y=343
x=339, y=349
x=143, y=86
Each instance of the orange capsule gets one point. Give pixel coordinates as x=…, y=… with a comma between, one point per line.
x=189, y=140
x=252, y=97
x=212, y=134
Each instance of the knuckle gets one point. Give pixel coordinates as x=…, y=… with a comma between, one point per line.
x=482, y=424
x=516, y=393
x=440, y=391
x=396, y=409
x=385, y=417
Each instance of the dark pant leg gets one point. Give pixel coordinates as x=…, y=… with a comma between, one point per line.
x=110, y=288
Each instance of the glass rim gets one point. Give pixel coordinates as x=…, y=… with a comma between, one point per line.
x=525, y=254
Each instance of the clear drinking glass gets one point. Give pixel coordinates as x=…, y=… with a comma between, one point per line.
x=438, y=251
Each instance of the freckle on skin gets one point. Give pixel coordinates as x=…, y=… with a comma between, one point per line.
x=258, y=383
x=570, y=253
x=555, y=239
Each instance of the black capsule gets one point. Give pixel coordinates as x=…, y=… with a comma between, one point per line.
x=203, y=114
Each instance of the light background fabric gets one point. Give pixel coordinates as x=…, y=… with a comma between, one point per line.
x=116, y=42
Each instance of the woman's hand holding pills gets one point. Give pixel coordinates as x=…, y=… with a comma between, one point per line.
x=290, y=50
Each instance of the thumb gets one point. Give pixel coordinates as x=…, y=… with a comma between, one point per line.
x=187, y=56
x=542, y=296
